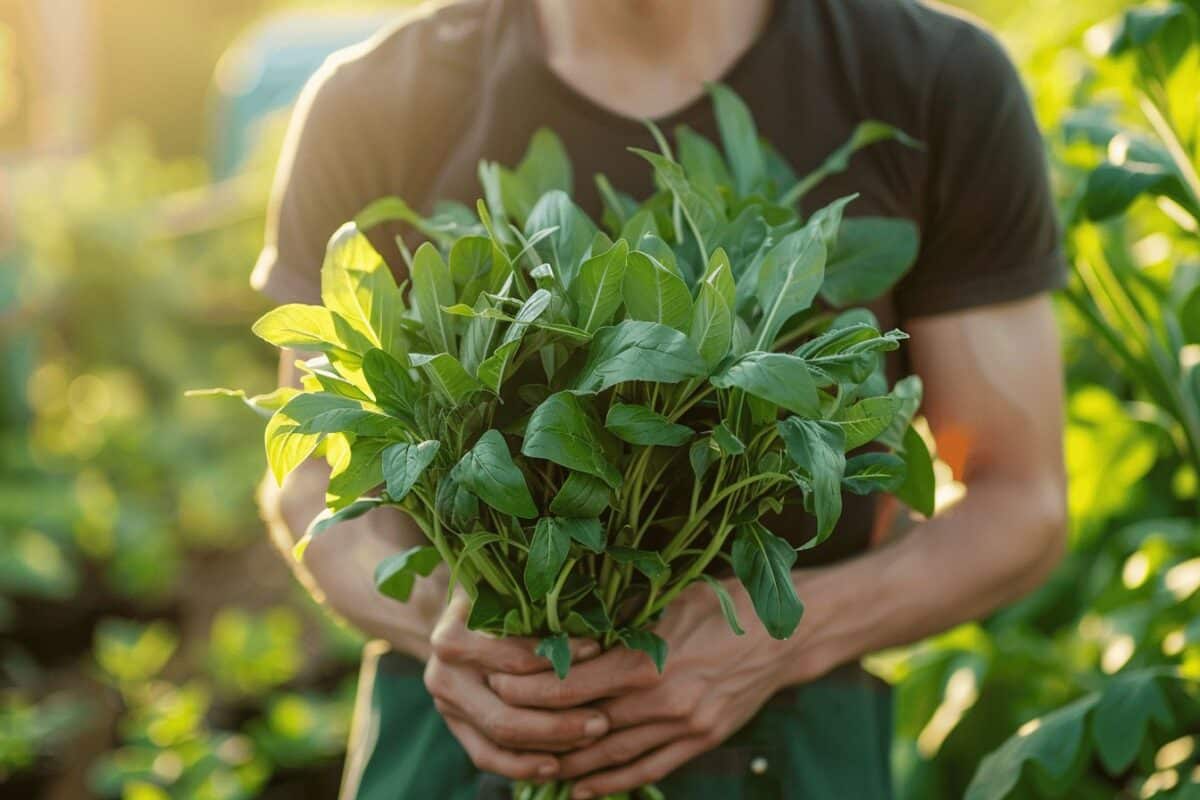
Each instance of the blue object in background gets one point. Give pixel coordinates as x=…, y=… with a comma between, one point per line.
x=265, y=69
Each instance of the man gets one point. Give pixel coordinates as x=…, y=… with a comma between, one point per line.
x=412, y=112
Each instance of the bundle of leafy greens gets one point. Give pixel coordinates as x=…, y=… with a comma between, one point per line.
x=583, y=419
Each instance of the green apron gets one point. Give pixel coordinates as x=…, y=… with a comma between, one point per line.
x=828, y=740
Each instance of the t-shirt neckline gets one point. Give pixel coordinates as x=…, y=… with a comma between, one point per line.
x=532, y=45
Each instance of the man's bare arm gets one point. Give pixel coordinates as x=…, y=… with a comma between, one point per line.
x=993, y=399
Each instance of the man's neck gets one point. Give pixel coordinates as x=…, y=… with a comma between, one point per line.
x=647, y=57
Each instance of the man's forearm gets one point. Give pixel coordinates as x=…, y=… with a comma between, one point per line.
x=996, y=545
x=339, y=565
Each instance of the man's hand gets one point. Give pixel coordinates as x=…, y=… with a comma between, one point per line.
x=714, y=683
x=497, y=735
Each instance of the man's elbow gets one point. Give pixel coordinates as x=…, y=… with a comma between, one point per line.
x=1048, y=528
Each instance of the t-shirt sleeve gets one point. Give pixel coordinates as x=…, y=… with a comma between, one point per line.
x=320, y=184
x=990, y=232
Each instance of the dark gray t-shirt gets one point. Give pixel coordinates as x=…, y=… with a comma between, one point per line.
x=412, y=112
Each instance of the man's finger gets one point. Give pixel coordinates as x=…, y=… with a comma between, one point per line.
x=610, y=675
x=490, y=758
x=455, y=643
x=464, y=693
x=622, y=747
x=648, y=769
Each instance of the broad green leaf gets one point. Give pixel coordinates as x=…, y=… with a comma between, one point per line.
x=648, y=562
x=302, y=327
x=711, y=331
x=557, y=650
x=763, y=563
x=719, y=275
x=818, y=449
x=588, y=533
x=728, y=441
x=726, y=603
x=492, y=372
x=588, y=617
x=852, y=358
x=908, y=392
x=288, y=441
x=547, y=554
x=545, y=167
x=788, y=280
x=639, y=425
x=488, y=472
x=1161, y=35
x=634, y=350
x=357, y=470
x=598, y=290
x=873, y=472
x=647, y=642
x=703, y=163
x=1121, y=720
x=701, y=455
x=778, y=378
x=1111, y=189
x=396, y=574
x=1189, y=316
x=871, y=255
x=447, y=374
x=564, y=431
x=1052, y=745
x=581, y=495
x=394, y=209
x=656, y=294
x=488, y=610
x=638, y=226
x=828, y=221
x=739, y=137
x=480, y=335
x=571, y=238
x=328, y=518
x=403, y=465
x=394, y=389
x=533, y=307
x=358, y=285
x=321, y=379
x=433, y=289
x=866, y=419
x=455, y=504
x=919, y=485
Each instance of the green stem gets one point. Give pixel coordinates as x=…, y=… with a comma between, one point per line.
x=552, y=598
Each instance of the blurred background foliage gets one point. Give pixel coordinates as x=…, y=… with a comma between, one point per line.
x=153, y=645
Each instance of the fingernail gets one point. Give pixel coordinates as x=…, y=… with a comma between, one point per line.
x=582, y=794
x=547, y=770
x=596, y=726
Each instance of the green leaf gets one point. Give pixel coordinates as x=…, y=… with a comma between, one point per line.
x=739, y=137
x=871, y=255
x=919, y=486
x=908, y=392
x=648, y=562
x=588, y=617
x=358, y=285
x=874, y=472
x=403, y=465
x=703, y=163
x=396, y=574
x=488, y=472
x=547, y=554
x=703, y=216
x=447, y=374
x=581, y=495
x=647, y=642
x=656, y=294
x=728, y=441
x=701, y=455
x=1189, y=316
x=588, y=533
x=557, y=650
x=726, y=602
x=455, y=504
x=389, y=381
x=788, y=280
x=641, y=224
x=328, y=518
x=1052, y=745
x=356, y=470
x=571, y=238
x=289, y=440
x=817, y=447
x=848, y=355
x=637, y=424
x=263, y=404
x=866, y=419
x=493, y=371
x=711, y=331
x=1127, y=706
x=778, y=378
x=1111, y=189
x=488, y=610
x=1163, y=35
x=303, y=327
x=763, y=563
x=562, y=430
x=598, y=291
x=545, y=167
x=866, y=133
x=394, y=209
x=634, y=350
x=433, y=289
